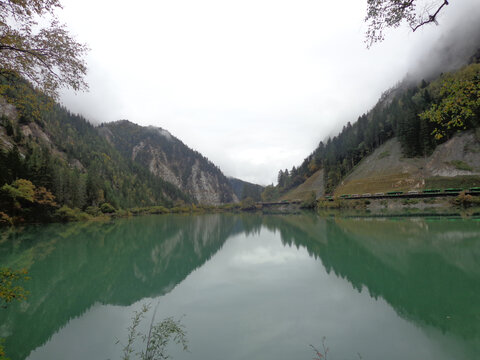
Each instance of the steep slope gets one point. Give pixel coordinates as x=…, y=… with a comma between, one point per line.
x=453, y=163
x=84, y=166
x=65, y=154
x=168, y=158
x=421, y=116
x=62, y=153
x=244, y=189
x=314, y=183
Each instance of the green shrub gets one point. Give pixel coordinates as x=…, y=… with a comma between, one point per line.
x=158, y=210
x=149, y=210
x=247, y=204
x=107, y=208
x=335, y=204
x=230, y=207
x=93, y=211
x=311, y=202
x=465, y=200
x=121, y=213
x=66, y=214
x=137, y=211
x=180, y=209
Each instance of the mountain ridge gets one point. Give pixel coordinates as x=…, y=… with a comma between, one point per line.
x=420, y=115
x=80, y=165
x=169, y=158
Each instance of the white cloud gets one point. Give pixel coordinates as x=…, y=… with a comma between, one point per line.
x=252, y=85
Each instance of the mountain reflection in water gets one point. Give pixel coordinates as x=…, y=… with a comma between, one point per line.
x=428, y=270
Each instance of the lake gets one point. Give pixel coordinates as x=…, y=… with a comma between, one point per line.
x=249, y=286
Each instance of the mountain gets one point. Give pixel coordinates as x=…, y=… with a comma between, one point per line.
x=245, y=189
x=165, y=251
x=66, y=155
x=168, y=158
x=454, y=163
x=400, y=258
x=67, y=161
x=418, y=123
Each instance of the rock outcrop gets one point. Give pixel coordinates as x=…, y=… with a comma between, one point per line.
x=171, y=160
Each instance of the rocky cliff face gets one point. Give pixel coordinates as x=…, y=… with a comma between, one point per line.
x=168, y=158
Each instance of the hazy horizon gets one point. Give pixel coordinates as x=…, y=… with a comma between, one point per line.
x=253, y=86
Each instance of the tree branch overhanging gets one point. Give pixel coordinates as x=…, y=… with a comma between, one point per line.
x=431, y=18
x=383, y=14
x=48, y=56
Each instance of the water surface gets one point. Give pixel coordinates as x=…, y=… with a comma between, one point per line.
x=250, y=287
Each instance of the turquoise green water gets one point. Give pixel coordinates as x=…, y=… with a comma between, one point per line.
x=250, y=287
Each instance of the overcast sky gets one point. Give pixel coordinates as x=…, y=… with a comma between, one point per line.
x=253, y=85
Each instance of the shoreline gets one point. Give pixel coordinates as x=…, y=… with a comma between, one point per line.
x=393, y=208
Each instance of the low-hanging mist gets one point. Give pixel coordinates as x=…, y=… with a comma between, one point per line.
x=253, y=86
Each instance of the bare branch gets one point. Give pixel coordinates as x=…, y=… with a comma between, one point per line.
x=383, y=14
x=431, y=18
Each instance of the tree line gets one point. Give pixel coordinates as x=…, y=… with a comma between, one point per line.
x=75, y=164
x=420, y=116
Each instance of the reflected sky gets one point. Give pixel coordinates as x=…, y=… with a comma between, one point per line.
x=260, y=297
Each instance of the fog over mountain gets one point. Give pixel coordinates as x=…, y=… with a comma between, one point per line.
x=450, y=51
x=252, y=85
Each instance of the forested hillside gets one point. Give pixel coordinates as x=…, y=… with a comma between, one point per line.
x=421, y=116
x=168, y=158
x=53, y=161
x=245, y=189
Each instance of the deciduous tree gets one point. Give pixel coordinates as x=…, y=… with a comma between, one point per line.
x=36, y=46
x=458, y=103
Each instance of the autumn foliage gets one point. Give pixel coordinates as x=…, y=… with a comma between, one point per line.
x=458, y=105
x=36, y=46
x=22, y=199
x=10, y=290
